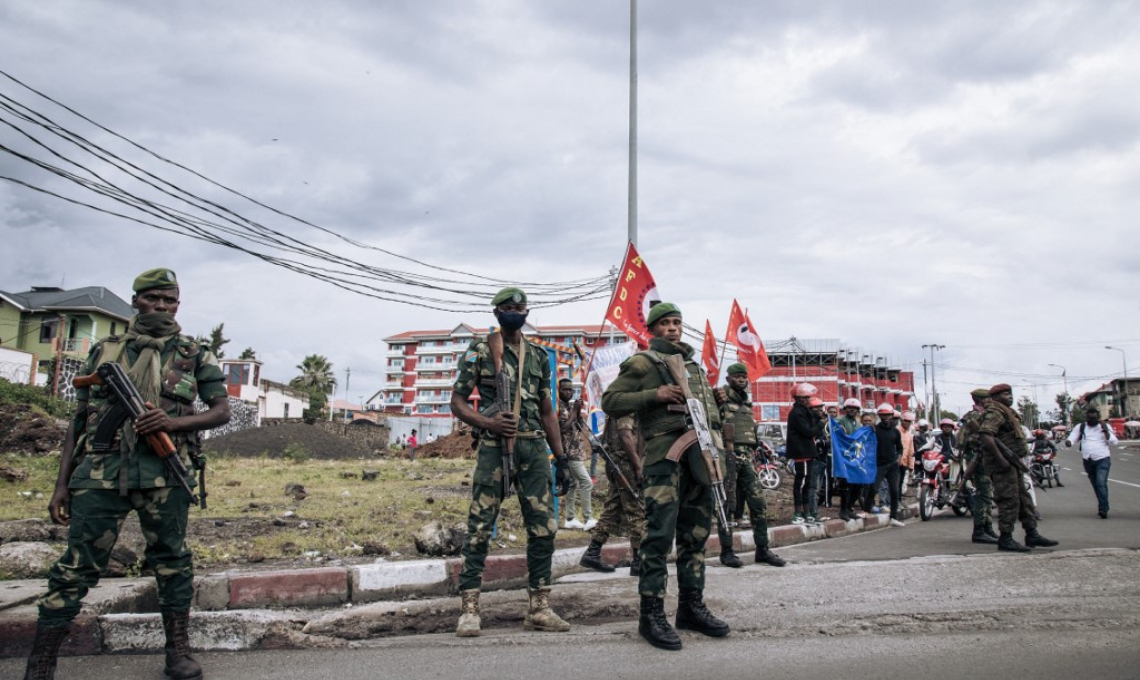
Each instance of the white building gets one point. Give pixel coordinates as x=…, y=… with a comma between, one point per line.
x=273, y=399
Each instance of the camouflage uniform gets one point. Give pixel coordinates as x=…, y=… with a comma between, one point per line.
x=106, y=486
x=982, y=508
x=532, y=463
x=622, y=514
x=738, y=411
x=678, y=502
x=1011, y=494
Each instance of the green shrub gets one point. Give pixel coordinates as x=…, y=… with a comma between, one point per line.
x=37, y=397
x=295, y=453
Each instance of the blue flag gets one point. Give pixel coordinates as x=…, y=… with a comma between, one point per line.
x=853, y=456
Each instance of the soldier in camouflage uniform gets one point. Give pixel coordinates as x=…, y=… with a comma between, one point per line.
x=982, y=507
x=1000, y=423
x=536, y=421
x=96, y=490
x=678, y=497
x=623, y=514
x=737, y=410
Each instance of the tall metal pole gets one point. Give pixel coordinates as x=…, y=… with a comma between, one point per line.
x=1065, y=378
x=1124, y=385
x=347, y=378
x=937, y=403
x=632, y=225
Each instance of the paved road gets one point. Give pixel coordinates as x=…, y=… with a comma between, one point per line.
x=917, y=601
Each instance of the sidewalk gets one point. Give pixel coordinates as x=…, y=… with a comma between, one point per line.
x=266, y=610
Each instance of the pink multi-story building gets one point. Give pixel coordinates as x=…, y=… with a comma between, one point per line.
x=420, y=366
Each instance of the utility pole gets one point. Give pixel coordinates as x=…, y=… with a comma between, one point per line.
x=1124, y=385
x=934, y=383
x=926, y=389
x=347, y=378
x=1065, y=408
x=632, y=225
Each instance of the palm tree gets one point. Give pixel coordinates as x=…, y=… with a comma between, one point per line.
x=316, y=375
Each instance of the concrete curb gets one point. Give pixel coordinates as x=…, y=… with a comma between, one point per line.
x=249, y=610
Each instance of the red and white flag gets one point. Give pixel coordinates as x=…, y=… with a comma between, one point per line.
x=749, y=347
x=632, y=296
x=708, y=355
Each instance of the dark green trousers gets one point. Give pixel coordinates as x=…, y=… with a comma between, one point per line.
x=536, y=500
x=1011, y=495
x=97, y=516
x=747, y=484
x=676, y=507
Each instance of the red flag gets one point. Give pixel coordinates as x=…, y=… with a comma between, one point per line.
x=708, y=355
x=632, y=296
x=749, y=347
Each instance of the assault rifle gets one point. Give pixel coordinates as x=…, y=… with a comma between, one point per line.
x=611, y=465
x=128, y=403
x=698, y=420
x=502, y=405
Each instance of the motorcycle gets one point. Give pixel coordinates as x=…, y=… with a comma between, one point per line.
x=936, y=490
x=767, y=471
x=1043, y=468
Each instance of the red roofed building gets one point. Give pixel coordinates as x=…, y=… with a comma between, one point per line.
x=420, y=366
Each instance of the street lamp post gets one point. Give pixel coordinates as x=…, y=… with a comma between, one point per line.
x=934, y=401
x=1124, y=385
x=1065, y=408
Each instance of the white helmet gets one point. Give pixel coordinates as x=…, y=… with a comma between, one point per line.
x=924, y=423
x=804, y=390
x=852, y=403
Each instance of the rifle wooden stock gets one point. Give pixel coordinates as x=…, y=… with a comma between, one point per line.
x=87, y=380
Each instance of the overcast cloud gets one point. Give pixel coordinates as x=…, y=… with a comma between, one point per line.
x=888, y=173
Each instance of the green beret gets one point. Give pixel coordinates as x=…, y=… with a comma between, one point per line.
x=662, y=309
x=737, y=368
x=513, y=295
x=980, y=393
x=155, y=278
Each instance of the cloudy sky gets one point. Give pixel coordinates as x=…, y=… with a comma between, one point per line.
x=885, y=173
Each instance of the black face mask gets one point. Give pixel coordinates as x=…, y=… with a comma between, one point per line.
x=511, y=321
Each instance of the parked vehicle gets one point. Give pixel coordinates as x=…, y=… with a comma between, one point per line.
x=938, y=486
x=765, y=464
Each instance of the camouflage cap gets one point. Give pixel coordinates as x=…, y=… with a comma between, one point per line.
x=513, y=295
x=155, y=278
x=661, y=310
x=980, y=393
x=737, y=368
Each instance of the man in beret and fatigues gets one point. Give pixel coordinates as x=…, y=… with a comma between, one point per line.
x=98, y=487
x=1001, y=427
x=737, y=410
x=982, y=507
x=678, y=498
x=536, y=421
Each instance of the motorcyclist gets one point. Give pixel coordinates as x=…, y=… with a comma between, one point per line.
x=1041, y=446
x=947, y=443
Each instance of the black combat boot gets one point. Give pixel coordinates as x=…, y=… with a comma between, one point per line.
x=989, y=529
x=729, y=559
x=45, y=652
x=179, y=664
x=1006, y=542
x=1034, y=539
x=635, y=565
x=592, y=558
x=654, y=627
x=980, y=536
x=766, y=556
x=692, y=614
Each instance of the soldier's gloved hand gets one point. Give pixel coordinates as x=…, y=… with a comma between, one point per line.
x=561, y=475
x=670, y=394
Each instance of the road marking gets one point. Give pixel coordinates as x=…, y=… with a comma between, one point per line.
x=1117, y=481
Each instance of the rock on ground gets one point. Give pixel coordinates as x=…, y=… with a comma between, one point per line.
x=27, y=560
x=27, y=530
x=436, y=540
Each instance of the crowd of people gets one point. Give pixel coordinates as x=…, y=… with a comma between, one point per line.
x=666, y=429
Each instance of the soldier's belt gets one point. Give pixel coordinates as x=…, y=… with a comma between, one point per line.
x=521, y=434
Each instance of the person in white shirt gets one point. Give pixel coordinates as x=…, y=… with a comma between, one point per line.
x=1093, y=438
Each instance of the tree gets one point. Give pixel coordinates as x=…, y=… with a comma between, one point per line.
x=316, y=375
x=217, y=340
x=951, y=415
x=1028, y=410
x=248, y=353
x=318, y=381
x=1064, y=402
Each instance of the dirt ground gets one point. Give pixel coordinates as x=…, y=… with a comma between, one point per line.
x=271, y=442
x=26, y=430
